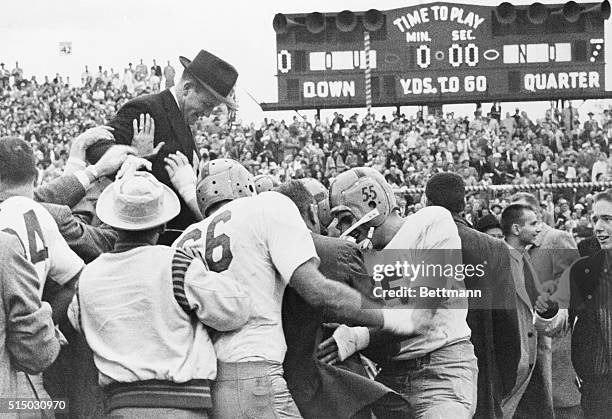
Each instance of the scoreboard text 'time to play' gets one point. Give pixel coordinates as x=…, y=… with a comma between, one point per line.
x=442, y=53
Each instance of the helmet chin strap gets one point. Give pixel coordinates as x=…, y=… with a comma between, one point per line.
x=367, y=243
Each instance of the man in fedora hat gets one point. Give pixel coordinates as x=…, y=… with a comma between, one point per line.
x=145, y=309
x=206, y=82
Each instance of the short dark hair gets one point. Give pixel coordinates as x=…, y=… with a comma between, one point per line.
x=527, y=197
x=297, y=192
x=446, y=190
x=17, y=162
x=487, y=222
x=513, y=214
x=603, y=196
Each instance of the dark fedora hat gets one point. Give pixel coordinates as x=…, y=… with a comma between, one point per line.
x=214, y=74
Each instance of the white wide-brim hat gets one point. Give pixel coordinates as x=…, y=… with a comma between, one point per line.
x=137, y=202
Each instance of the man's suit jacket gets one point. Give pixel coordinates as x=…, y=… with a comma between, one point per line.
x=587, y=334
x=321, y=390
x=495, y=332
x=64, y=190
x=170, y=127
x=528, y=336
x=553, y=378
x=85, y=240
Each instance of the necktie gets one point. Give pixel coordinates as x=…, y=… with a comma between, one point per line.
x=530, y=285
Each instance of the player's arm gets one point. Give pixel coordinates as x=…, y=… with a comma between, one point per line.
x=339, y=302
x=87, y=241
x=345, y=305
x=293, y=254
x=216, y=299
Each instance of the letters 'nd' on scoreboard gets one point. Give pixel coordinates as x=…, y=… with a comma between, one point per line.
x=442, y=53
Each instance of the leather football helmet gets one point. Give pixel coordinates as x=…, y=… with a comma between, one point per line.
x=222, y=180
x=264, y=183
x=360, y=191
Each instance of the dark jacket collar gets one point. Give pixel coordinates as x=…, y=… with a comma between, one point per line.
x=460, y=220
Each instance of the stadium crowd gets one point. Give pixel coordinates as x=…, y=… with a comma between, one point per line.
x=485, y=150
x=174, y=331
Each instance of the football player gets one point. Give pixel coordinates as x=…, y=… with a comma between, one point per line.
x=263, y=242
x=435, y=369
x=320, y=390
x=37, y=232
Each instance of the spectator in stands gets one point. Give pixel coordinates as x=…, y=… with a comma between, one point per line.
x=169, y=74
x=156, y=69
x=141, y=71
x=55, y=113
x=490, y=225
x=4, y=77
x=17, y=74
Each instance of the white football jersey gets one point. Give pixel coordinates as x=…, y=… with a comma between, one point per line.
x=260, y=241
x=43, y=244
x=430, y=236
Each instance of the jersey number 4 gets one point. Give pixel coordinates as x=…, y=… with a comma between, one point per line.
x=212, y=242
x=33, y=230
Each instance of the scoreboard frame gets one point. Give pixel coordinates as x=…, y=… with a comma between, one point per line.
x=442, y=53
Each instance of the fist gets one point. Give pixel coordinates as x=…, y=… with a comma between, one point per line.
x=545, y=303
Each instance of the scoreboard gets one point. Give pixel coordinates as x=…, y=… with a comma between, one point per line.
x=441, y=53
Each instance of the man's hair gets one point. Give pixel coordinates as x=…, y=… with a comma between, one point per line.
x=513, y=214
x=487, y=222
x=17, y=162
x=446, y=190
x=603, y=196
x=297, y=192
x=527, y=197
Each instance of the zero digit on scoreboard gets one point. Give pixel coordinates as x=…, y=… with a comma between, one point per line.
x=284, y=61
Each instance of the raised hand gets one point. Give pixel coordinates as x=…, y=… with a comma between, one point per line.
x=144, y=136
x=80, y=144
x=327, y=351
x=181, y=174
x=183, y=178
x=113, y=159
x=132, y=164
